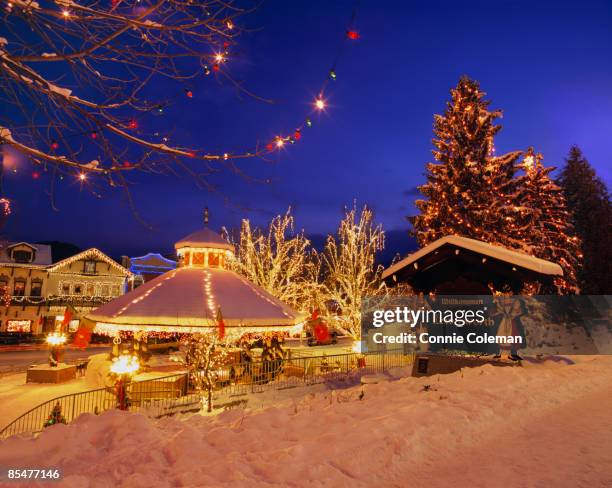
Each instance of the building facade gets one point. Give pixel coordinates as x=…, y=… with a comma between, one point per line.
x=37, y=291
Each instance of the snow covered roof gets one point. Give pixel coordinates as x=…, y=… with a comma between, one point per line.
x=204, y=238
x=188, y=298
x=92, y=253
x=42, y=255
x=493, y=251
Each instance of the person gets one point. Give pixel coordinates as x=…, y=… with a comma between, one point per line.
x=510, y=311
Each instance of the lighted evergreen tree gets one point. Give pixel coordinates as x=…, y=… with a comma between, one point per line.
x=589, y=203
x=544, y=224
x=469, y=191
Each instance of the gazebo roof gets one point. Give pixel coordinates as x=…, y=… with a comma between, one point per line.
x=204, y=238
x=187, y=300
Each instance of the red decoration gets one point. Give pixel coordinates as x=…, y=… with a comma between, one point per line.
x=54, y=145
x=35, y=175
x=94, y=135
x=189, y=93
x=133, y=124
x=82, y=337
x=226, y=45
x=220, y=324
x=352, y=35
x=68, y=314
x=297, y=135
x=215, y=67
x=127, y=164
x=269, y=146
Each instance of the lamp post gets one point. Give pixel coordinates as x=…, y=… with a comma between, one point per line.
x=55, y=340
x=124, y=367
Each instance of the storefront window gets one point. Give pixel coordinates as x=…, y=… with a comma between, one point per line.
x=90, y=290
x=65, y=288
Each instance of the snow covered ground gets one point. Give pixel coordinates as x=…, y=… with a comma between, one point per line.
x=537, y=426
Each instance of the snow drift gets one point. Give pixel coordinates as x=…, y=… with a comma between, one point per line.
x=532, y=426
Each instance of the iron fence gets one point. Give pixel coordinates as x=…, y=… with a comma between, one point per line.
x=171, y=394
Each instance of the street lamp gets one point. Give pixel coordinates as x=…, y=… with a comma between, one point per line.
x=55, y=340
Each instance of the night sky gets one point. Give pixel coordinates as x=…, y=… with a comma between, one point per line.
x=546, y=64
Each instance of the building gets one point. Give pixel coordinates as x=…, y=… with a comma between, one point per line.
x=38, y=291
x=455, y=265
x=189, y=298
x=145, y=268
x=23, y=284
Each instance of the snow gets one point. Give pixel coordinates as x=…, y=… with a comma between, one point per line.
x=65, y=92
x=497, y=252
x=522, y=426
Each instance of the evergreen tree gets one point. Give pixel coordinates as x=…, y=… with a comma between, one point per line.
x=544, y=224
x=469, y=191
x=589, y=202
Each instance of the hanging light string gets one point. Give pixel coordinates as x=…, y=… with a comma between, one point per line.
x=215, y=65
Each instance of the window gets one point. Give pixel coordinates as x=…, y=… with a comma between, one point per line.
x=198, y=258
x=89, y=267
x=22, y=256
x=213, y=259
x=116, y=290
x=18, y=325
x=186, y=257
x=104, y=290
x=65, y=288
x=78, y=289
x=19, y=287
x=90, y=290
x=36, y=288
x=4, y=284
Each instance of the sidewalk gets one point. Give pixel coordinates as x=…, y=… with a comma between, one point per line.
x=43, y=347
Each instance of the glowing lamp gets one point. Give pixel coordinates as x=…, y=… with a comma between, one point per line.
x=56, y=339
x=219, y=58
x=125, y=364
x=82, y=176
x=320, y=104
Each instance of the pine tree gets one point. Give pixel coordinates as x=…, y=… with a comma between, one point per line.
x=544, y=224
x=469, y=191
x=589, y=202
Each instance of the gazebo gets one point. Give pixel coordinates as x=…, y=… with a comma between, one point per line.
x=193, y=296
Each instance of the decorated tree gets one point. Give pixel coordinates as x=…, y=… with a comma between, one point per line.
x=279, y=260
x=349, y=269
x=588, y=201
x=89, y=121
x=204, y=355
x=469, y=191
x=544, y=224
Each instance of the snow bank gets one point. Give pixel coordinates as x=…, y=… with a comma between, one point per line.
x=482, y=426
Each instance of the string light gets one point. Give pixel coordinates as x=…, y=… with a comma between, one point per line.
x=219, y=58
x=320, y=103
x=65, y=13
x=279, y=142
x=82, y=176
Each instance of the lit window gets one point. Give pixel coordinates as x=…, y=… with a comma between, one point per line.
x=198, y=258
x=65, y=288
x=19, y=287
x=104, y=290
x=115, y=290
x=90, y=290
x=186, y=257
x=89, y=267
x=213, y=259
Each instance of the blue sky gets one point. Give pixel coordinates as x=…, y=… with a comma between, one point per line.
x=546, y=64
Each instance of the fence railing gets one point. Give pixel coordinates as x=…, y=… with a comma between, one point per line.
x=171, y=394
